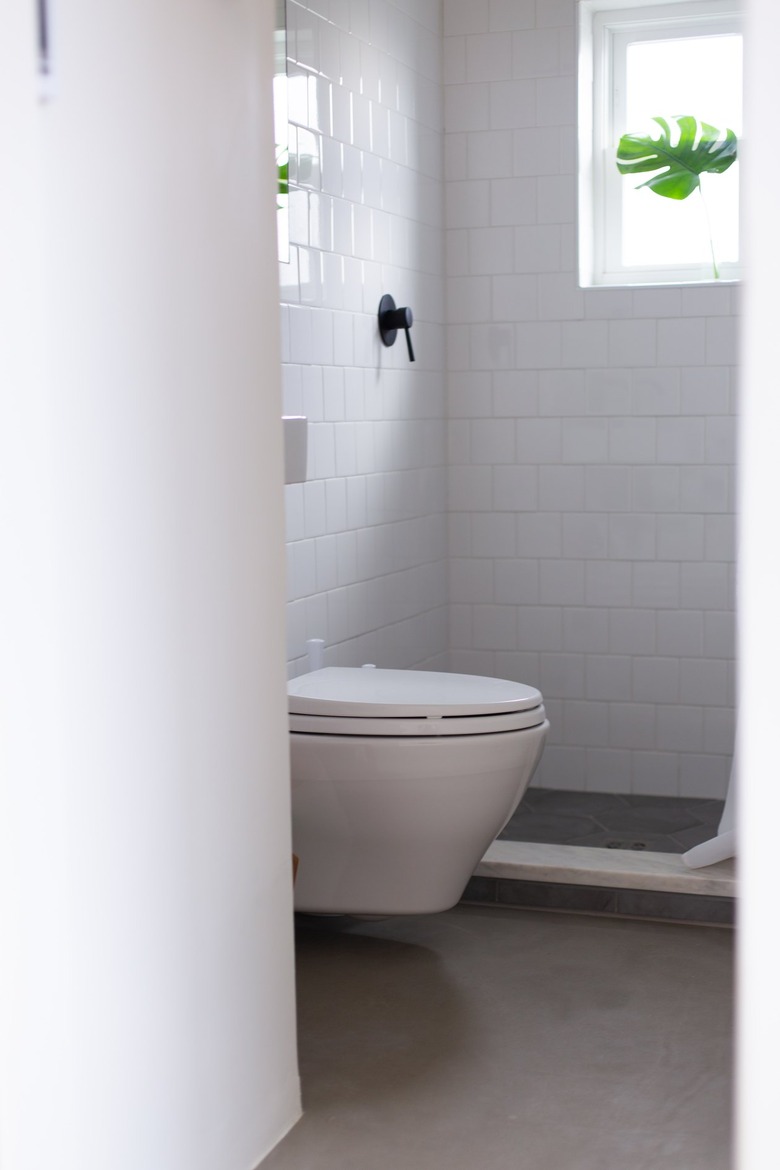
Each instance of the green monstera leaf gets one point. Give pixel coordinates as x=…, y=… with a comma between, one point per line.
x=699, y=149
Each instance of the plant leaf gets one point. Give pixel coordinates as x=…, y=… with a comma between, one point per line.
x=283, y=171
x=699, y=149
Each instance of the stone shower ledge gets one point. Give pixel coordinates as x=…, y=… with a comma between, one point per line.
x=614, y=868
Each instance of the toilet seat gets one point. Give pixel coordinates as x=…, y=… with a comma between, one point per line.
x=372, y=702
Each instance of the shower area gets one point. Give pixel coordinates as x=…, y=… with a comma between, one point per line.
x=547, y=493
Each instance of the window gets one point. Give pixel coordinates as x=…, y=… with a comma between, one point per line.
x=638, y=63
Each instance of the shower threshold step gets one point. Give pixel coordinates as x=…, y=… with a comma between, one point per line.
x=604, y=881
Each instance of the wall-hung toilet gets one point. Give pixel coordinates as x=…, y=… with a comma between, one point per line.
x=400, y=782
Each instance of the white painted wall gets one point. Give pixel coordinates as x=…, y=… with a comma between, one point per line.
x=148, y=1002
x=367, y=531
x=758, y=970
x=591, y=439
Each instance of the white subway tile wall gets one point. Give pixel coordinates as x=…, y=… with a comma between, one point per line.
x=597, y=562
x=367, y=531
x=548, y=493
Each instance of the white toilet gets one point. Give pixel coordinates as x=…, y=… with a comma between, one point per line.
x=400, y=782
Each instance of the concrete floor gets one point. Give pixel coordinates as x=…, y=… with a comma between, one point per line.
x=512, y=1040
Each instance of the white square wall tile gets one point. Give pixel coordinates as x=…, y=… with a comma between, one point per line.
x=456, y=157
x=681, y=342
x=515, y=489
x=681, y=632
x=721, y=440
x=607, y=676
x=518, y=665
x=514, y=298
x=562, y=582
x=608, y=770
x=454, y=60
x=632, y=631
x=607, y=489
x=468, y=204
x=468, y=299
x=492, y=347
x=656, y=585
x=586, y=630
x=471, y=580
x=535, y=151
x=655, y=680
x=585, y=440
x=467, y=107
x=680, y=728
x=489, y=154
x=721, y=341
x=488, y=57
x=516, y=581
x=463, y=16
x=608, y=583
x=585, y=535
x=536, y=52
x=705, y=390
x=632, y=440
x=562, y=675
x=506, y=15
x=557, y=201
x=655, y=773
x=512, y=201
x=720, y=635
x=585, y=723
x=470, y=488
x=493, y=534
x=563, y=768
x=538, y=534
x=512, y=104
x=719, y=730
x=632, y=536
x=562, y=489
x=656, y=489
x=494, y=627
x=632, y=343
x=515, y=394
x=557, y=101
x=584, y=344
x=539, y=345
x=704, y=489
x=704, y=681
x=632, y=725
x=490, y=251
x=539, y=440
x=492, y=441
x=680, y=440
x=680, y=538
x=703, y=775
x=655, y=391
x=559, y=297
x=540, y=628
x=538, y=248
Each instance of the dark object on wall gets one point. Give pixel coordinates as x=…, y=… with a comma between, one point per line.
x=391, y=320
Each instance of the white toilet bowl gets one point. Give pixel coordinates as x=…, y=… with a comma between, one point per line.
x=400, y=782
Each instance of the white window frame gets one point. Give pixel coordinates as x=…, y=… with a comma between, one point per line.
x=606, y=27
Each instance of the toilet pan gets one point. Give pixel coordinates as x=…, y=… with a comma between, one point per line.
x=400, y=782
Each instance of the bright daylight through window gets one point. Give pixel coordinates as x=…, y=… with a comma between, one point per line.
x=660, y=117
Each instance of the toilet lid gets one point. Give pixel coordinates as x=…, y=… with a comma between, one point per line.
x=367, y=693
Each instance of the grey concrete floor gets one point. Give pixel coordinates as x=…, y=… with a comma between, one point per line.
x=512, y=1040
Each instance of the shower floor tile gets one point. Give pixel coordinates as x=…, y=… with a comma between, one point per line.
x=603, y=820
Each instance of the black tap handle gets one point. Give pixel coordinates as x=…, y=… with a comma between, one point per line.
x=391, y=319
